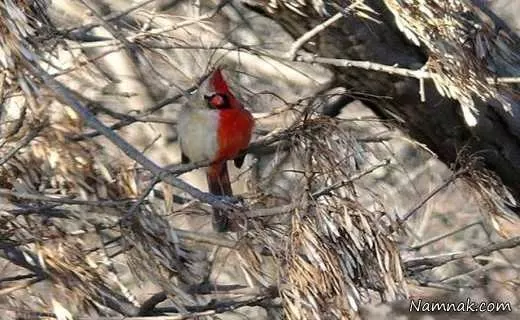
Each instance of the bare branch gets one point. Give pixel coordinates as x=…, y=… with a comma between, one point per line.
x=357, y=176
x=109, y=18
x=366, y=65
x=430, y=195
x=300, y=42
x=444, y=235
x=429, y=262
x=126, y=120
x=153, y=32
x=64, y=200
x=419, y=74
x=217, y=240
x=265, y=212
x=22, y=143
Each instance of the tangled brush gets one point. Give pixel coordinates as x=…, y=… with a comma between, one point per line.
x=466, y=51
x=334, y=254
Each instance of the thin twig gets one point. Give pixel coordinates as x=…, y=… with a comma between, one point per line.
x=64, y=200
x=366, y=65
x=445, y=235
x=355, y=177
x=153, y=32
x=429, y=262
x=127, y=217
x=19, y=286
x=503, y=80
x=457, y=277
x=33, y=133
x=430, y=195
x=291, y=54
x=319, y=28
x=150, y=303
x=127, y=120
x=420, y=74
x=108, y=27
x=108, y=18
x=205, y=238
x=18, y=277
x=265, y=212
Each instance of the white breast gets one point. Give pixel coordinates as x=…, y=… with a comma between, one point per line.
x=197, y=129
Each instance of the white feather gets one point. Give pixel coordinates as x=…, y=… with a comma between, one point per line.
x=197, y=129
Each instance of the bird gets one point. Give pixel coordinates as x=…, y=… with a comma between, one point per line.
x=215, y=126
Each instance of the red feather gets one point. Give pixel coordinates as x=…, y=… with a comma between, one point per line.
x=220, y=86
x=219, y=184
x=235, y=126
x=235, y=123
x=218, y=82
x=234, y=132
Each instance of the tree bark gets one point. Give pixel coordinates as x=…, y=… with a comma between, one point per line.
x=438, y=121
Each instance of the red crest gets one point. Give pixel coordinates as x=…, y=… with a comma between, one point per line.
x=220, y=86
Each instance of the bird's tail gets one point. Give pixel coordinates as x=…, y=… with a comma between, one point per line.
x=220, y=185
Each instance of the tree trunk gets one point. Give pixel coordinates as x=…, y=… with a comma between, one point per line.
x=438, y=122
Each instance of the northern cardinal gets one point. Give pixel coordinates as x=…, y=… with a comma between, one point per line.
x=215, y=126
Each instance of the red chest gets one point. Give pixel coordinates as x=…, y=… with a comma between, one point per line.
x=234, y=132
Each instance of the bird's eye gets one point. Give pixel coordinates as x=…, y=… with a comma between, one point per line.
x=217, y=101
